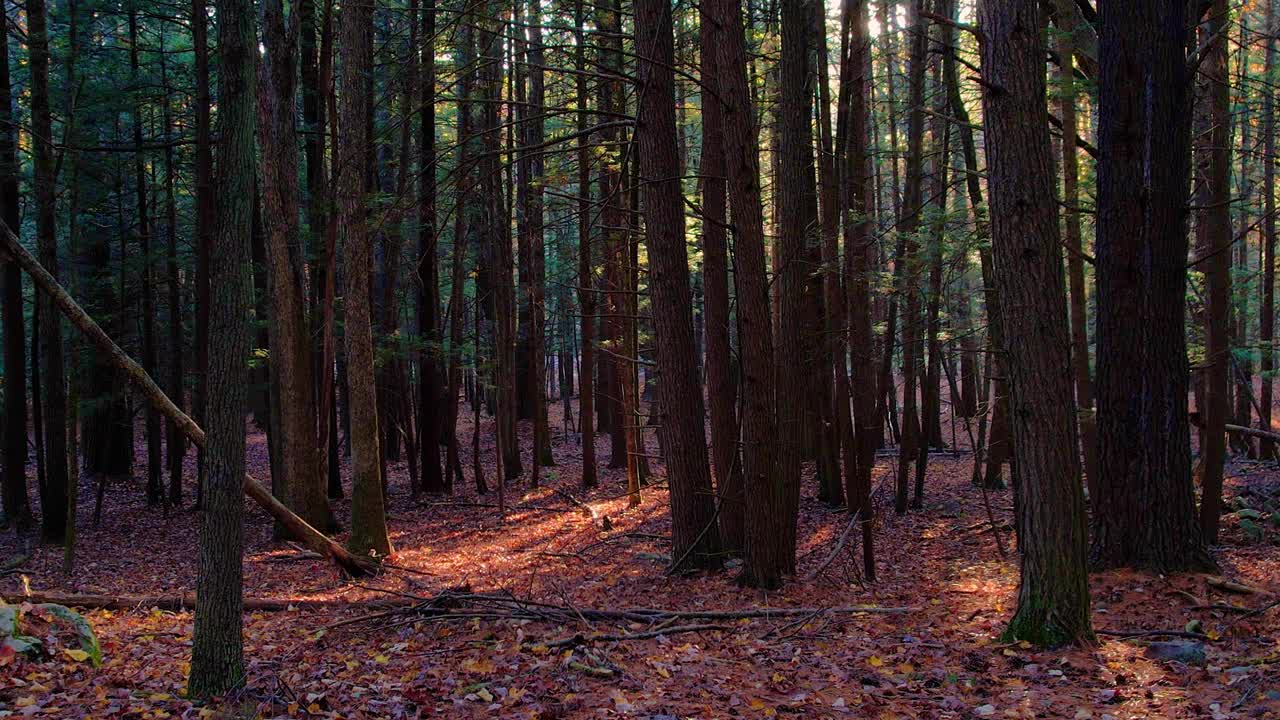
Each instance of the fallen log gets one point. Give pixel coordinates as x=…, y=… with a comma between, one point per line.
x=315, y=540
x=187, y=601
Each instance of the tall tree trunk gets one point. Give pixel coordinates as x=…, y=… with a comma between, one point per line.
x=217, y=657
x=53, y=397
x=541, y=452
x=1053, y=597
x=368, y=517
x=586, y=281
x=302, y=482
x=175, y=442
x=430, y=398
x=150, y=356
x=1145, y=509
x=726, y=460
x=767, y=555
x=206, y=216
x=1213, y=241
x=1075, y=259
x=858, y=248
x=695, y=540
x=17, y=508
x=913, y=206
x=1267, y=317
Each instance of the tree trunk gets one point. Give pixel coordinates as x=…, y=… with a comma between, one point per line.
x=368, y=517
x=1053, y=596
x=767, y=555
x=586, y=281
x=1145, y=509
x=695, y=537
x=1267, y=317
x=205, y=217
x=53, y=397
x=296, y=443
x=1075, y=260
x=859, y=244
x=913, y=206
x=721, y=387
x=1213, y=241
x=217, y=657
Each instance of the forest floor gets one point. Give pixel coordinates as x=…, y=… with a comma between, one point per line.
x=940, y=658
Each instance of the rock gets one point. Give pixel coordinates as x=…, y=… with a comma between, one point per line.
x=985, y=710
x=1188, y=652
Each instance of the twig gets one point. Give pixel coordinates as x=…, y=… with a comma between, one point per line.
x=581, y=639
x=844, y=539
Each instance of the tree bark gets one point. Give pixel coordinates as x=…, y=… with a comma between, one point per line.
x=368, y=516
x=1053, y=596
x=53, y=397
x=767, y=554
x=694, y=534
x=296, y=442
x=721, y=387
x=217, y=656
x=1145, y=510
x=586, y=280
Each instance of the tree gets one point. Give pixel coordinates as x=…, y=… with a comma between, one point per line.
x=1267, y=319
x=430, y=393
x=53, y=397
x=1145, y=510
x=586, y=281
x=217, y=656
x=722, y=391
x=289, y=331
x=695, y=540
x=16, y=506
x=1053, y=597
x=1213, y=241
x=368, y=518
x=767, y=554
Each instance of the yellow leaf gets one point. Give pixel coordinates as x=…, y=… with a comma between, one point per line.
x=875, y=661
x=77, y=655
x=381, y=659
x=484, y=694
x=906, y=668
x=478, y=665
x=160, y=697
x=662, y=671
x=314, y=708
x=24, y=702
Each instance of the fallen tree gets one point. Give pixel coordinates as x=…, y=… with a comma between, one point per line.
x=11, y=248
x=187, y=601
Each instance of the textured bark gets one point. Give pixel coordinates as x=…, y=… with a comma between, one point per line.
x=205, y=215
x=614, y=365
x=217, y=657
x=1053, y=596
x=175, y=442
x=368, y=518
x=767, y=554
x=150, y=350
x=908, y=259
x=53, y=396
x=859, y=245
x=1213, y=240
x=431, y=402
x=296, y=442
x=722, y=390
x=586, y=282
x=695, y=540
x=1075, y=249
x=16, y=507
x=1267, y=319
x=1145, y=509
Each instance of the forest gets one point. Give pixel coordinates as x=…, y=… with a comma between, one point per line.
x=638, y=358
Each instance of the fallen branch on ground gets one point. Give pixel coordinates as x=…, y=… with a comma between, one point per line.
x=187, y=601
x=835, y=552
x=581, y=639
x=315, y=540
x=1129, y=634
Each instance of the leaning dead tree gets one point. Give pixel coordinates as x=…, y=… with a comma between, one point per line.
x=11, y=248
